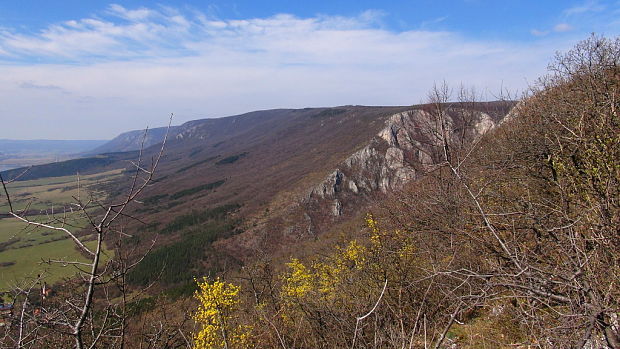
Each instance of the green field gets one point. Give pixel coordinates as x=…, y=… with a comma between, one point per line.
x=49, y=193
x=24, y=248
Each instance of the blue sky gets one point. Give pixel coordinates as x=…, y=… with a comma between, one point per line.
x=91, y=69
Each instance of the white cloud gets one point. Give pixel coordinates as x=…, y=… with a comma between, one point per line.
x=586, y=7
x=537, y=32
x=132, y=15
x=32, y=85
x=562, y=27
x=131, y=68
x=429, y=23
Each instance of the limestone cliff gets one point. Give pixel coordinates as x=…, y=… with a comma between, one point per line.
x=402, y=147
x=405, y=148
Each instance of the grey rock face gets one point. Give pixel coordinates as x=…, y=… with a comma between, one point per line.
x=330, y=186
x=394, y=158
x=353, y=187
x=407, y=145
x=337, y=208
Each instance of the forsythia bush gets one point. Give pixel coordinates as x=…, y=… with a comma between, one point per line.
x=298, y=282
x=324, y=295
x=218, y=300
x=321, y=278
x=315, y=302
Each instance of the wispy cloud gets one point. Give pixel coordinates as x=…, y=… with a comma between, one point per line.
x=562, y=28
x=35, y=86
x=131, y=15
x=586, y=7
x=537, y=32
x=431, y=22
x=591, y=14
x=125, y=68
x=126, y=34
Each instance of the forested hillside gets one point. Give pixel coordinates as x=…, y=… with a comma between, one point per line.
x=511, y=241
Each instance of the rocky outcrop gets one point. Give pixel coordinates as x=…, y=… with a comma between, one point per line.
x=389, y=150
x=406, y=147
x=330, y=186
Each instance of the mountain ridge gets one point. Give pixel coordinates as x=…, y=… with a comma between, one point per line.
x=294, y=172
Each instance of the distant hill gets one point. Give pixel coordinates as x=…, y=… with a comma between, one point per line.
x=294, y=172
x=129, y=141
x=84, y=165
x=46, y=146
x=21, y=153
x=191, y=143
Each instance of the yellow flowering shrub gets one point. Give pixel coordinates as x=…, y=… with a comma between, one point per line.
x=372, y=223
x=299, y=281
x=321, y=278
x=334, y=286
x=354, y=254
x=327, y=278
x=375, y=233
x=217, y=302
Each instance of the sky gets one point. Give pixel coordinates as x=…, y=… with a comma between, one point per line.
x=92, y=69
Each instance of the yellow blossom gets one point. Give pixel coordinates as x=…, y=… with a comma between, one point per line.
x=217, y=301
x=298, y=282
